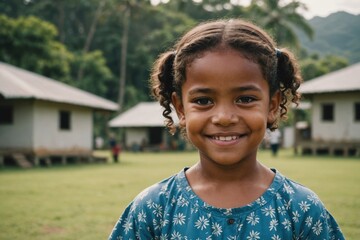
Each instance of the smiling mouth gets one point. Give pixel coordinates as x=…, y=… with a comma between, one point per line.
x=227, y=138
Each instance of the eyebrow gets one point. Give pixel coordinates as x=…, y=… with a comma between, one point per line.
x=237, y=89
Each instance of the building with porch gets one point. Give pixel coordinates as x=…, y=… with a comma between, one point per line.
x=144, y=128
x=335, y=113
x=42, y=119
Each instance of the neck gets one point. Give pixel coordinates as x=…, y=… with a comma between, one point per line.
x=213, y=172
x=232, y=186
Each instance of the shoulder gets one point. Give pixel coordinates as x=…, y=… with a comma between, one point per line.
x=157, y=190
x=299, y=199
x=158, y=195
x=144, y=215
x=306, y=211
x=297, y=192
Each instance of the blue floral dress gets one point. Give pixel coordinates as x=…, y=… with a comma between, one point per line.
x=171, y=210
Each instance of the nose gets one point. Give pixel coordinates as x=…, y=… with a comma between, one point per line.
x=224, y=116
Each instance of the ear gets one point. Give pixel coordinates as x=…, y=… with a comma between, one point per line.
x=179, y=107
x=274, y=105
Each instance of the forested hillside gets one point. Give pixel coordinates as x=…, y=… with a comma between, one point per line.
x=338, y=34
x=107, y=47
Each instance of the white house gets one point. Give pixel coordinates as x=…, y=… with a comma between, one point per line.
x=144, y=127
x=41, y=117
x=335, y=121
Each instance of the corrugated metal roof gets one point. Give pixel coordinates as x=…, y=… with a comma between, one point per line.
x=343, y=80
x=18, y=83
x=144, y=114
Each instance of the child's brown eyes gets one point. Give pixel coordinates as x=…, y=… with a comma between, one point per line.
x=203, y=101
x=245, y=99
x=207, y=101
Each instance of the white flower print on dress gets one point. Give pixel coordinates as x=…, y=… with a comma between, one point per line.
x=240, y=227
x=141, y=216
x=304, y=206
x=182, y=202
x=158, y=210
x=287, y=224
x=228, y=212
x=281, y=210
x=252, y=219
x=176, y=236
x=179, y=219
x=314, y=199
x=232, y=238
x=273, y=224
x=150, y=204
x=288, y=189
x=157, y=224
x=308, y=221
x=217, y=229
x=253, y=235
x=202, y=223
x=287, y=205
x=317, y=228
x=127, y=225
x=261, y=201
x=296, y=216
x=163, y=237
x=269, y=211
x=164, y=191
x=163, y=222
x=276, y=237
x=195, y=207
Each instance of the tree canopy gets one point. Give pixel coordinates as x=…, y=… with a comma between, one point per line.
x=108, y=46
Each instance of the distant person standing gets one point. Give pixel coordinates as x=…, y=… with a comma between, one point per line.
x=274, y=138
x=115, y=148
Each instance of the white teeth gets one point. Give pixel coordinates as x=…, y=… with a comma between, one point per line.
x=225, y=138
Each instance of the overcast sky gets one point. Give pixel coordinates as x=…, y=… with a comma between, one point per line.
x=320, y=8
x=325, y=7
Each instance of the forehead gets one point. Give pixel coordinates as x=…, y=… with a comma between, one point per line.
x=223, y=63
x=225, y=69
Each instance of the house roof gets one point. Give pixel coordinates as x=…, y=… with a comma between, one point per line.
x=17, y=83
x=343, y=80
x=144, y=114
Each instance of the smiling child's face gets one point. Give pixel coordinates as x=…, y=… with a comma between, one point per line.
x=225, y=106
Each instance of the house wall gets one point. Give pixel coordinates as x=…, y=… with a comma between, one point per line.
x=136, y=136
x=48, y=135
x=343, y=128
x=20, y=133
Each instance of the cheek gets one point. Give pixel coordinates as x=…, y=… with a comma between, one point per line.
x=257, y=121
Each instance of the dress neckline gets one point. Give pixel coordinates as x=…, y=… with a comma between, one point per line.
x=198, y=203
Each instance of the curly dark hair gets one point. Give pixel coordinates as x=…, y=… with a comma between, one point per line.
x=278, y=66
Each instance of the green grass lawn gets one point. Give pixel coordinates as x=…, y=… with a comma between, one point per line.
x=84, y=201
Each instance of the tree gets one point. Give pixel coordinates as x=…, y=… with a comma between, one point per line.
x=281, y=20
x=28, y=42
x=90, y=36
x=313, y=66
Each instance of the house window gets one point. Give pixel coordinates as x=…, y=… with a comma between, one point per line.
x=6, y=115
x=65, y=120
x=357, y=112
x=328, y=112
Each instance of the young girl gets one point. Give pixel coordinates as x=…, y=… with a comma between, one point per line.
x=228, y=83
